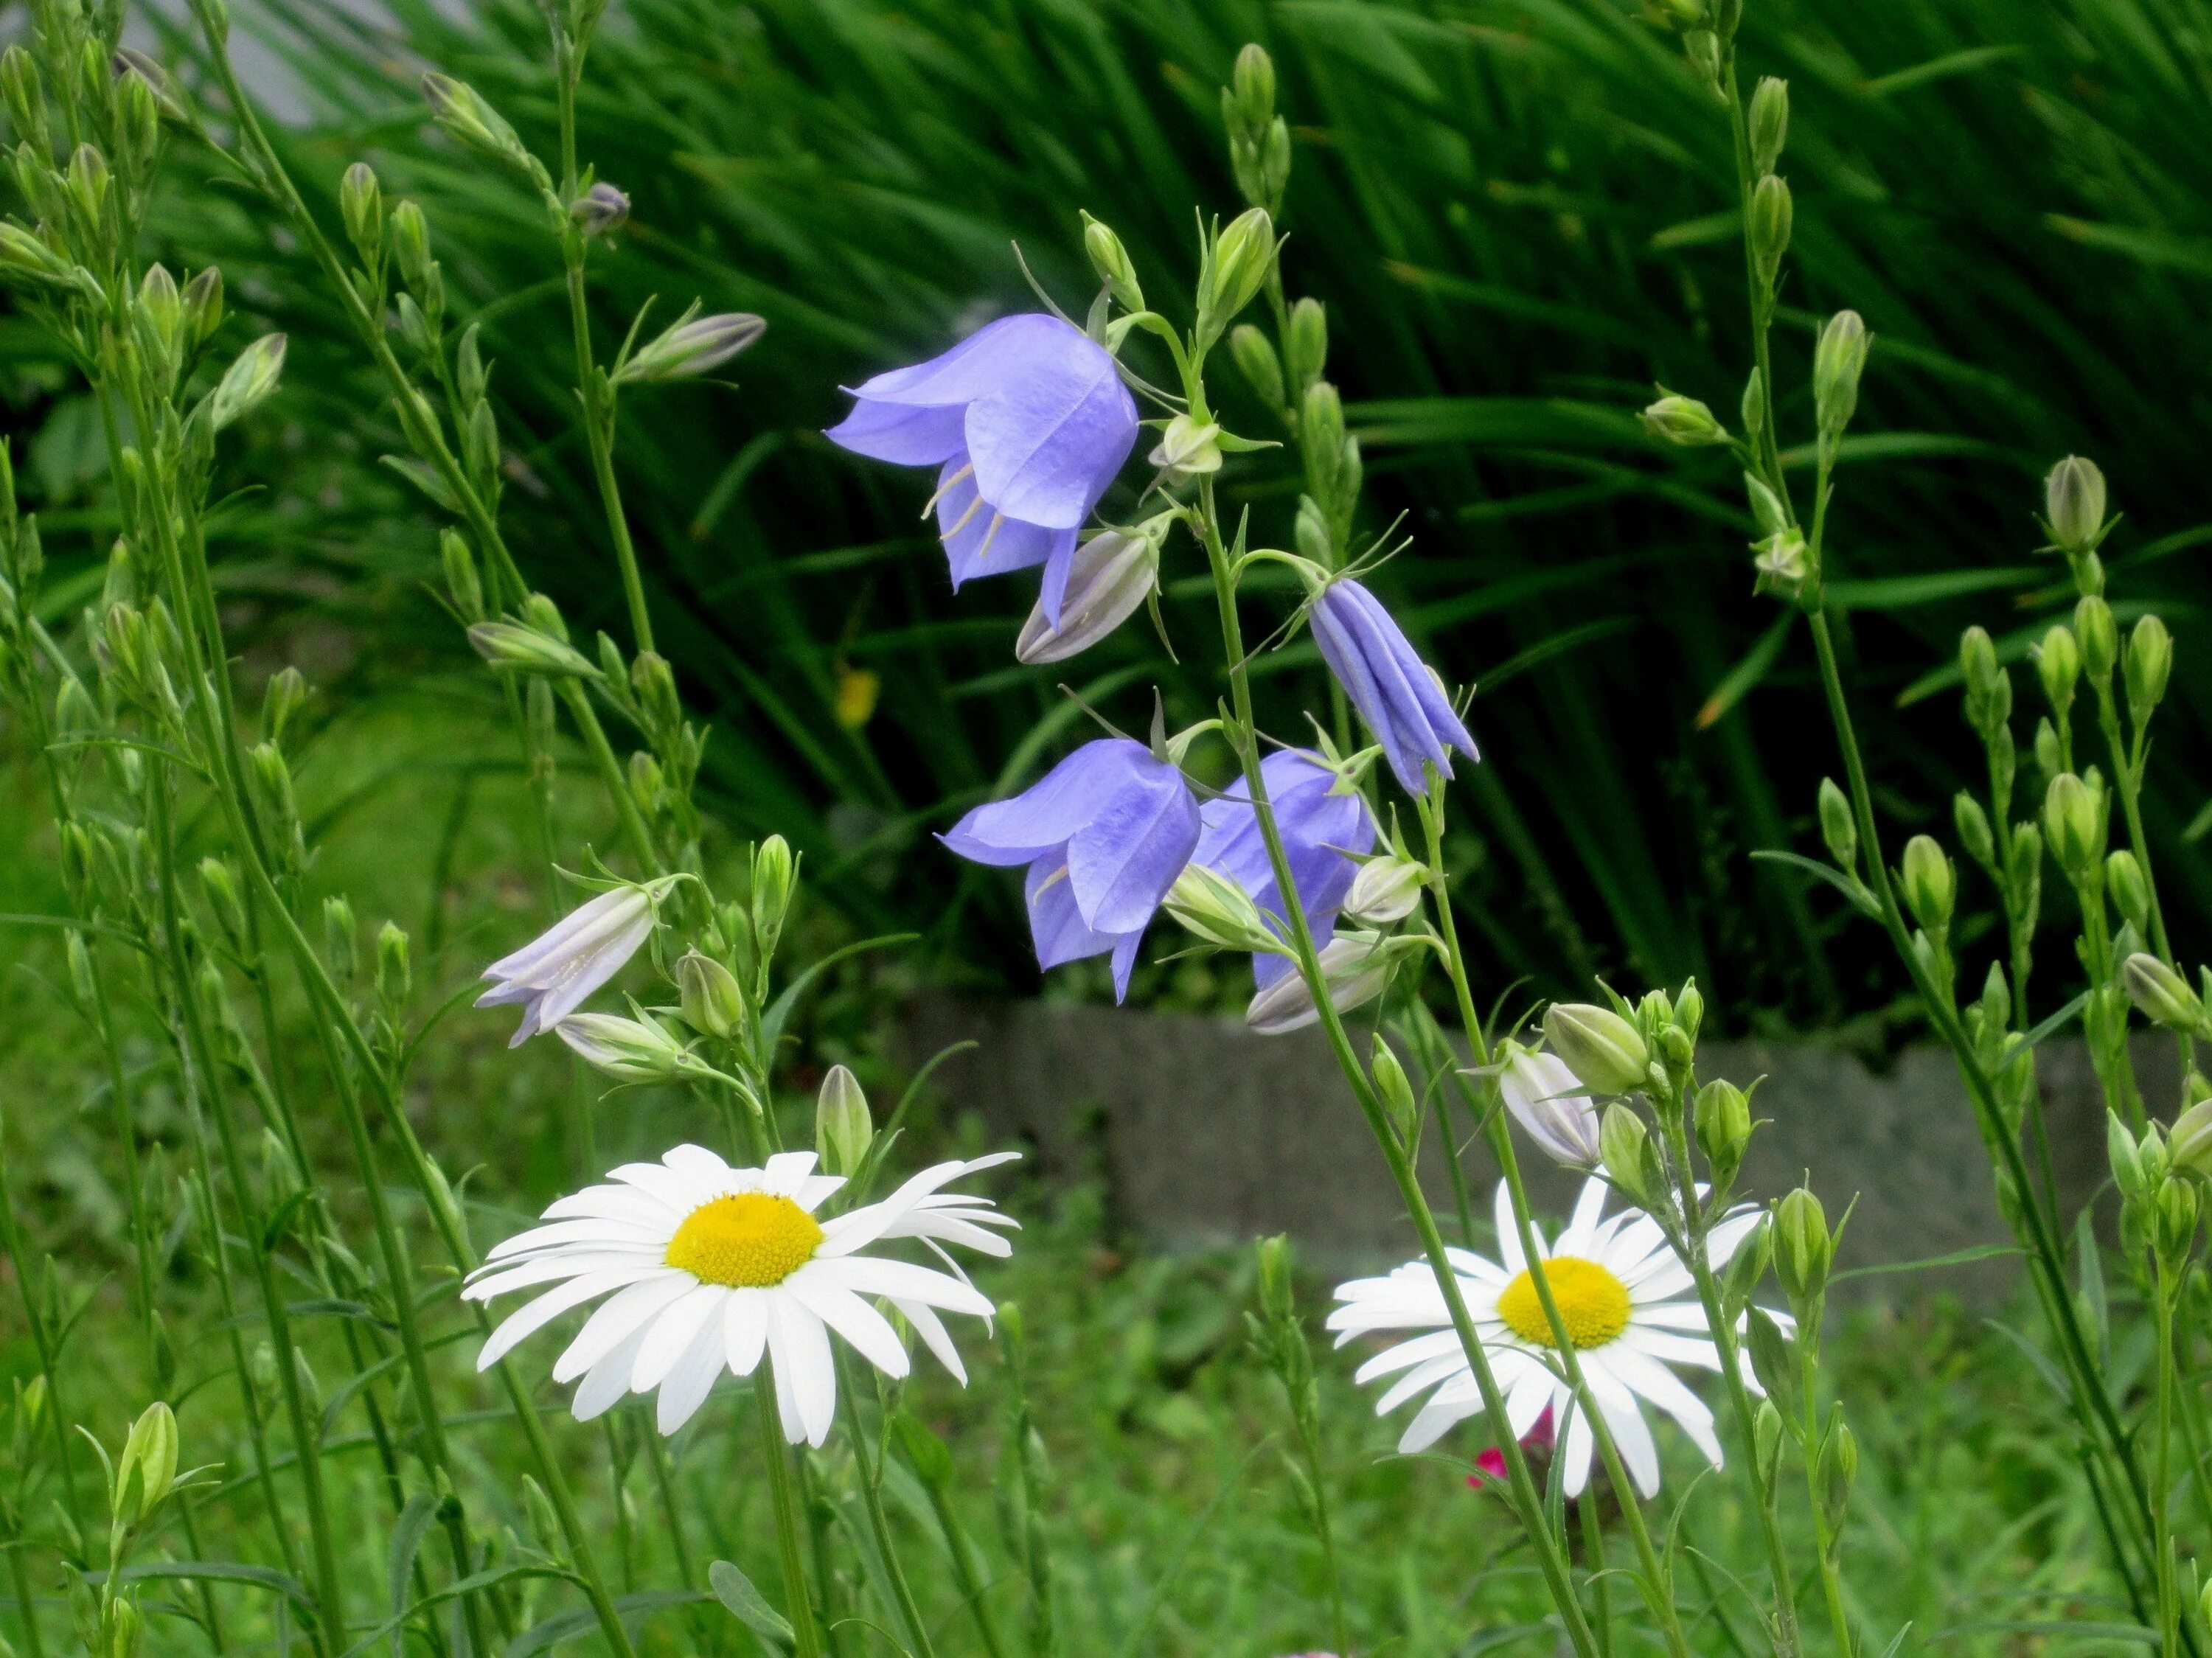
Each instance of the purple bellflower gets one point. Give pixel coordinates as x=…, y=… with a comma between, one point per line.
x=1323, y=835
x=1397, y=695
x=1026, y=421
x=1104, y=834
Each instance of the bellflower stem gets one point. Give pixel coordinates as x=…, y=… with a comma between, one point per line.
x=1528, y=1503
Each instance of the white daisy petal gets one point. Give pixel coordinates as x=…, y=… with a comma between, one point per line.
x=1509, y=1233
x=672, y=1331
x=543, y=1310
x=692, y=1377
x=873, y=1276
x=931, y=1328
x=606, y=1382
x=618, y=1318
x=746, y=1330
x=1631, y=1434
x=544, y=1269
x=868, y=1330
x=1576, y=1449
x=787, y=1172
x=1653, y=1381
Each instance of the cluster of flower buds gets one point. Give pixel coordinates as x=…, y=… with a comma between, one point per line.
x=1259, y=139
x=2159, y=1204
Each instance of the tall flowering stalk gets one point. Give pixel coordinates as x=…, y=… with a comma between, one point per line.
x=2123, y=946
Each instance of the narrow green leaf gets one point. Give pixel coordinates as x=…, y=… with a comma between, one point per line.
x=748, y=1605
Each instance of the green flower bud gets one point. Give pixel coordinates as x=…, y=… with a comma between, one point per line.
x=1690, y=1009
x=1112, y=263
x=161, y=308
x=692, y=346
x=1972, y=824
x=2058, y=664
x=1770, y=219
x=713, y=1003
x=1766, y=1437
x=1753, y=407
x=203, y=307
x=248, y=381
x=1804, y=1249
x=1212, y=906
x=2128, y=889
x=1723, y=1120
x=1305, y=345
x=360, y=205
x=1835, y=1467
x=1387, y=890
x=640, y=1050
x=774, y=872
x=341, y=934
x=2126, y=1158
x=1840, y=829
x=1277, y=1297
x=24, y=255
x=1396, y=1092
x=1604, y=1052
x=1625, y=1151
x=411, y=247
x=1684, y=421
x=513, y=648
x=1256, y=359
x=1188, y=448
x=2189, y=1145
x=2049, y=752
x=842, y=1128
x=1930, y=884
x=2162, y=995
x=2098, y=634
x=1784, y=563
x=2177, y=1220
x=1769, y=122
x=1838, y=360
x=1235, y=266
x=2073, y=505
x=463, y=586
x=1252, y=86
x=1988, y=688
x=462, y=111
x=2149, y=666
x=2074, y=823
x=147, y=1467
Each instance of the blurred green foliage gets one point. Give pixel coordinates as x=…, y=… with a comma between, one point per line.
x=1518, y=212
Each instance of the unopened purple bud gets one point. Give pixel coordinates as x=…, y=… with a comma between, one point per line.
x=599, y=210
x=1399, y=698
x=692, y=347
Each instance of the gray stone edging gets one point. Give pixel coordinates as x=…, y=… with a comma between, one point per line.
x=1206, y=1134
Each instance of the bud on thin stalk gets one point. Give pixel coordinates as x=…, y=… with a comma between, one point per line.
x=1769, y=123
x=691, y=347
x=844, y=1130
x=1600, y=1046
x=2073, y=505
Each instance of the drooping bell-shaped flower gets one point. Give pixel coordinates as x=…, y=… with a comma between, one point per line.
x=1547, y=1099
x=552, y=975
x=1323, y=828
x=1026, y=421
x=1104, y=834
x=1397, y=695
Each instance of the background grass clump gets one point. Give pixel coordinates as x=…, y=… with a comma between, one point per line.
x=1519, y=217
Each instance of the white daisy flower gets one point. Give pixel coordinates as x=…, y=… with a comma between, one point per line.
x=1620, y=1292
x=709, y=1266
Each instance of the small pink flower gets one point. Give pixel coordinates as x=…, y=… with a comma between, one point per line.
x=1491, y=1465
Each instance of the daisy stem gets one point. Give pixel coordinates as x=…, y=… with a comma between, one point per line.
x=1652, y=1577
x=1528, y=1503
x=879, y=1524
x=1696, y=1256
x=806, y=1642
x=25, y=1604
x=1601, y=1594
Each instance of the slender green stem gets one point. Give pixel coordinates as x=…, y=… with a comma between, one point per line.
x=879, y=1527
x=2169, y=1599
x=26, y=1603
x=1594, y=1565
x=1828, y=1545
x=807, y=1641
x=1520, y=1484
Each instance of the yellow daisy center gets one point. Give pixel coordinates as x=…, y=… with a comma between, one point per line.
x=747, y=1241
x=1593, y=1304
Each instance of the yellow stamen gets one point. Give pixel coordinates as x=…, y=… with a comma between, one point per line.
x=748, y=1240
x=1593, y=1304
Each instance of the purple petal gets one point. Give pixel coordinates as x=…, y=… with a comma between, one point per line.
x=1047, y=814
x=900, y=433
x=970, y=369
x=1047, y=441
x=1320, y=832
x=979, y=541
x=1387, y=681
x=1123, y=861
x=1056, y=926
